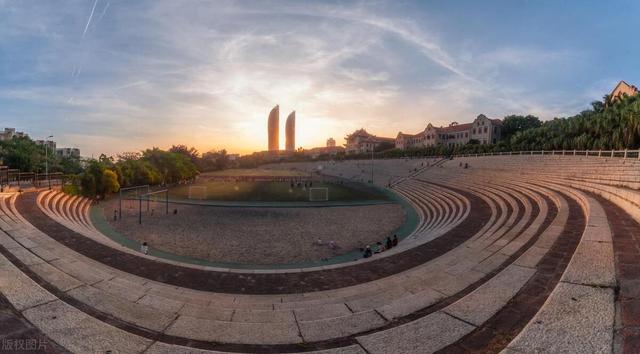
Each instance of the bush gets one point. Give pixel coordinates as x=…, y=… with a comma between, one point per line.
x=109, y=182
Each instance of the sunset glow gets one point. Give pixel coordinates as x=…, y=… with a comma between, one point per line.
x=113, y=76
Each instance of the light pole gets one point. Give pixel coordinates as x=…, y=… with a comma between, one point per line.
x=46, y=158
x=372, y=164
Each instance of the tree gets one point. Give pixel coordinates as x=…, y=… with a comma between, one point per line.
x=22, y=153
x=614, y=126
x=97, y=180
x=190, y=153
x=513, y=124
x=597, y=106
x=173, y=167
x=91, y=178
x=213, y=160
x=129, y=156
x=69, y=165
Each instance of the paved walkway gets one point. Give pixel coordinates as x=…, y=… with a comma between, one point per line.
x=626, y=246
x=20, y=336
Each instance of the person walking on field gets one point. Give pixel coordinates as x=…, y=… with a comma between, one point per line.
x=388, y=242
x=395, y=240
x=144, y=248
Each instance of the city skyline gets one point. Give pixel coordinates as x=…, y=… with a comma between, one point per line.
x=114, y=76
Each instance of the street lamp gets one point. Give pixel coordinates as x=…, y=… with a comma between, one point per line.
x=46, y=158
x=372, y=148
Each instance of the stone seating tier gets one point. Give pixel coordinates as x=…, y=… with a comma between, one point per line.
x=544, y=243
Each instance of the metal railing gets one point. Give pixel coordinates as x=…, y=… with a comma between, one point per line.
x=624, y=154
x=14, y=177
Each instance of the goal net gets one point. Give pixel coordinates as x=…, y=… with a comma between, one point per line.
x=318, y=194
x=197, y=192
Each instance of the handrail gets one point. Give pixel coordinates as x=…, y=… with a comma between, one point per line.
x=624, y=154
x=13, y=176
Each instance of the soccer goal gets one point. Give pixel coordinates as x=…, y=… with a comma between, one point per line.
x=197, y=192
x=318, y=194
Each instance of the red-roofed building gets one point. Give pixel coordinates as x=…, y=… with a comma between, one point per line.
x=622, y=89
x=482, y=129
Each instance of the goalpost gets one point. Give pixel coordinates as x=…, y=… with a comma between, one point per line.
x=152, y=196
x=318, y=194
x=198, y=192
x=131, y=193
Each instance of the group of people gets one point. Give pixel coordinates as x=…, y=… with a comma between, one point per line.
x=380, y=247
x=299, y=184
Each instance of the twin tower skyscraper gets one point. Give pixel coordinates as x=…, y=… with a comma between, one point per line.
x=274, y=130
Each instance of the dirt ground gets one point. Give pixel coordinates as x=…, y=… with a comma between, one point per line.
x=258, y=235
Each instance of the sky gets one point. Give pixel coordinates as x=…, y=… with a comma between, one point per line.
x=112, y=76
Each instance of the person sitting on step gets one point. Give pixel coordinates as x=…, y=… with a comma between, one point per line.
x=388, y=243
x=367, y=252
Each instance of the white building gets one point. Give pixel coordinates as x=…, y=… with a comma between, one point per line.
x=10, y=133
x=360, y=142
x=68, y=152
x=49, y=144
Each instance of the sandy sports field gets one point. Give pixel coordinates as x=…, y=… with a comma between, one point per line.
x=271, y=192
x=250, y=172
x=259, y=235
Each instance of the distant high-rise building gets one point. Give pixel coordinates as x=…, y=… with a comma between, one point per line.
x=50, y=144
x=9, y=133
x=290, y=132
x=274, y=133
x=68, y=152
x=331, y=142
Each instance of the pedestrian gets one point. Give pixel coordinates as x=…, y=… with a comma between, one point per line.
x=144, y=248
x=367, y=252
x=389, y=243
x=394, y=243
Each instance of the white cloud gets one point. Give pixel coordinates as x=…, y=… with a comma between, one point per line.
x=163, y=72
